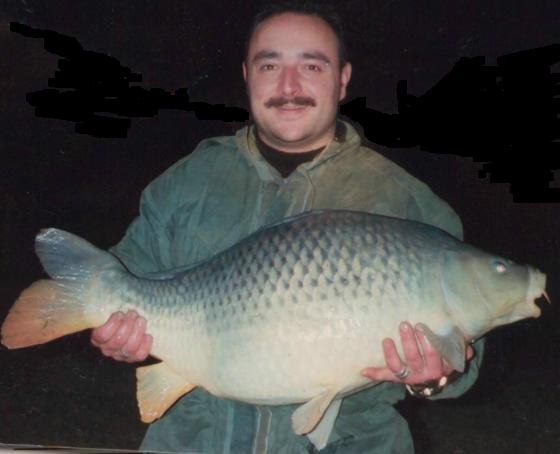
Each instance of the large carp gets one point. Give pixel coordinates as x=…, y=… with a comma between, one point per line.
x=291, y=314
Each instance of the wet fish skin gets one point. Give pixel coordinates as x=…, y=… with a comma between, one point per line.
x=291, y=314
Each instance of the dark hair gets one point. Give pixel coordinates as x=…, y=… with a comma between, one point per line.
x=321, y=10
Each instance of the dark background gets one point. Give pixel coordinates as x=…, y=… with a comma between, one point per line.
x=65, y=393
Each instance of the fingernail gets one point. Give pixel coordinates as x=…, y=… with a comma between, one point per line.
x=404, y=326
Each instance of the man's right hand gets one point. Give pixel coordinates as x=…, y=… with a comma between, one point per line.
x=123, y=337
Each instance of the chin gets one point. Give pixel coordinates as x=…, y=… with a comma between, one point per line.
x=290, y=138
x=291, y=132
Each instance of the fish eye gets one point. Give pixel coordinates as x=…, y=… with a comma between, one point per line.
x=499, y=266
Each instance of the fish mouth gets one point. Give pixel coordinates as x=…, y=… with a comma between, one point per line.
x=536, y=290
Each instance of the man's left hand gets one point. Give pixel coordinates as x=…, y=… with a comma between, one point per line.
x=422, y=361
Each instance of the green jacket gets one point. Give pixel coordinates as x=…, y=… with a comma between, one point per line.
x=224, y=191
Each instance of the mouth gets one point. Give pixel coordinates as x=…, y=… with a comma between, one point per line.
x=291, y=111
x=290, y=108
x=536, y=290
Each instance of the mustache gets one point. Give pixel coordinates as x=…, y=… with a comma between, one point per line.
x=298, y=101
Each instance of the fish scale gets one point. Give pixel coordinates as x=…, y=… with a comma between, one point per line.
x=291, y=314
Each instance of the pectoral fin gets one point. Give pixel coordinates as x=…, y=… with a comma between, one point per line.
x=452, y=346
x=320, y=435
x=158, y=388
x=307, y=416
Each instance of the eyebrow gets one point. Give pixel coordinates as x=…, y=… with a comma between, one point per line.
x=265, y=54
x=307, y=55
x=316, y=55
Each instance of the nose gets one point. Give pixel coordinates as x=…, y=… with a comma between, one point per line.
x=289, y=83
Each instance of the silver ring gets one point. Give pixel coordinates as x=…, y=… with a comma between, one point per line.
x=124, y=353
x=403, y=373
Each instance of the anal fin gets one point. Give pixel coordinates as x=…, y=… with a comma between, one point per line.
x=451, y=346
x=320, y=435
x=158, y=388
x=308, y=415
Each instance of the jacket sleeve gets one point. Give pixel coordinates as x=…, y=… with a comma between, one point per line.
x=142, y=246
x=148, y=242
x=164, y=235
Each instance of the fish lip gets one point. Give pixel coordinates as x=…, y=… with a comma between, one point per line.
x=535, y=289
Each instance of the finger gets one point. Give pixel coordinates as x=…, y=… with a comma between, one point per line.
x=103, y=333
x=411, y=349
x=144, y=350
x=470, y=352
x=119, y=339
x=392, y=358
x=135, y=338
x=433, y=362
x=393, y=361
x=378, y=373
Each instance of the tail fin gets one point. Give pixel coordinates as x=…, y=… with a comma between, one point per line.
x=49, y=309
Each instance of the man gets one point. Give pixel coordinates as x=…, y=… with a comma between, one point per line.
x=296, y=157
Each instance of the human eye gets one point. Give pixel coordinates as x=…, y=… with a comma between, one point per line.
x=265, y=67
x=313, y=67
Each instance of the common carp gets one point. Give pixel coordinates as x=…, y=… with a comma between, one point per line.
x=290, y=314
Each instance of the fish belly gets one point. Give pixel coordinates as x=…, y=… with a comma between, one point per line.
x=291, y=357
x=289, y=372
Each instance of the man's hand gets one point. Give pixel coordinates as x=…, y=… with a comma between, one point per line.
x=123, y=337
x=422, y=360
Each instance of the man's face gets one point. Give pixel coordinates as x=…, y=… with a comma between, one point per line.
x=294, y=81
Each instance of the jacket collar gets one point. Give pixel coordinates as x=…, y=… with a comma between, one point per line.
x=246, y=143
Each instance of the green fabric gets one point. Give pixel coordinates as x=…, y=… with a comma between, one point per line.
x=219, y=194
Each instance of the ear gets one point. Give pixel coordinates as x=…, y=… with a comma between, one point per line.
x=244, y=69
x=345, y=75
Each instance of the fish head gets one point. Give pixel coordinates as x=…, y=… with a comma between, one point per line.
x=483, y=291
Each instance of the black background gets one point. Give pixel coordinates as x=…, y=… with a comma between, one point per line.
x=65, y=393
